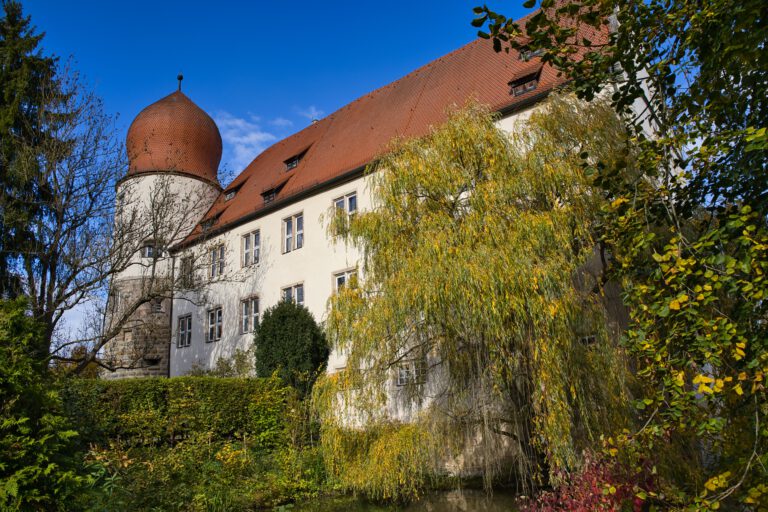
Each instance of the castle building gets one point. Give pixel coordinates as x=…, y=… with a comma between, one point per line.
x=224, y=255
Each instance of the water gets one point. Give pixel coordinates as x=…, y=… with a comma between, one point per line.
x=450, y=501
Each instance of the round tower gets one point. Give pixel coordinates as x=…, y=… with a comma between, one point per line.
x=174, y=150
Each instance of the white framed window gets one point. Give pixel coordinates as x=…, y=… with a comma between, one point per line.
x=249, y=314
x=343, y=278
x=215, y=324
x=184, y=331
x=293, y=233
x=217, y=259
x=251, y=248
x=347, y=203
x=294, y=293
x=148, y=250
x=411, y=372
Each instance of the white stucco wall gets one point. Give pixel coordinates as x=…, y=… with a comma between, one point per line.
x=313, y=265
x=166, y=206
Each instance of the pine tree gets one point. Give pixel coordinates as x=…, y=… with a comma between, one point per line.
x=27, y=82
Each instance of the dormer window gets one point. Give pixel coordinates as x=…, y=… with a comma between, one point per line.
x=293, y=162
x=525, y=87
x=208, y=223
x=527, y=54
x=232, y=192
x=271, y=193
x=524, y=84
x=269, y=196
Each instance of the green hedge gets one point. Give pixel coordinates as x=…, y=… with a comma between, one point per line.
x=153, y=411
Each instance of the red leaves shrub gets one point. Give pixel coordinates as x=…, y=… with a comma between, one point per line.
x=601, y=484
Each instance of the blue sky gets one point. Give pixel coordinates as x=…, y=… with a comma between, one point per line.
x=263, y=70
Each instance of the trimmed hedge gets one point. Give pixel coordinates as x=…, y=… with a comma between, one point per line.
x=157, y=411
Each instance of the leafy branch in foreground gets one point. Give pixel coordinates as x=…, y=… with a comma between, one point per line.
x=687, y=224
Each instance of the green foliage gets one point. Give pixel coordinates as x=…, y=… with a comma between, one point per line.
x=241, y=364
x=201, y=474
x=686, y=220
x=37, y=456
x=160, y=411
x=477, y=265
x=194, y=443
x=26, y=80
x=289, y=342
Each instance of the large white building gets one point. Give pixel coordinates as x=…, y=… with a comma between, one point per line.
x=226, y=254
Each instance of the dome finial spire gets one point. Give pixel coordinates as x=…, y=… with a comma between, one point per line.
x=180, y=77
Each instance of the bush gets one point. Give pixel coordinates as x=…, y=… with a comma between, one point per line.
x=602, y=483
x=290, y=342
x=199, y=475
x=164, y=411
x=38, y=469
x=194, y=444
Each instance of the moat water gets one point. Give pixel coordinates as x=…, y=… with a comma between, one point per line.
x=449, y=501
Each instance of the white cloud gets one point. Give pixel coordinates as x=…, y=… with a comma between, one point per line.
x=281, y=122
x=311, y=112
x=243, y=139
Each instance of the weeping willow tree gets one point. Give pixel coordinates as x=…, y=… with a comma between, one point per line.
x=478, y=330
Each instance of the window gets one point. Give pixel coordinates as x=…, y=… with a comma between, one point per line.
x=148, y=250
x=156, y=305
x=186, y=272
x=215, y=319
x=217, y=260
x=293, y=162
x=184, y=331
x=294, y=293
x=347, y=203
x=527, y=54
x=230, y=195
x=115, y=301
x=249, y=314
x=341, y=279
x=525, y=87
x=251, y=247
x=293, y=233
x=269, y=196
x=412, y=372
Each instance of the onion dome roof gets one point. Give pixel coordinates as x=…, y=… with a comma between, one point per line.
x=175, y=135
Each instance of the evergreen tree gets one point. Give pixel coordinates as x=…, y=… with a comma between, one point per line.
x=290, y=342
x=27, y=78
x=39, y=467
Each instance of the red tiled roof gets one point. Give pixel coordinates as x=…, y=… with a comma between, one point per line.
x=174, y=134
x=354, y=135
